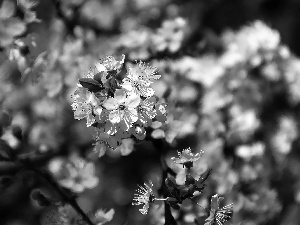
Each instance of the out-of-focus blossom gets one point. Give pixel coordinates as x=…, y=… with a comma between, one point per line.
x=205, y=70
x=102, y=14
x=284, y=137
x=75, y=174
x=170, y=35
x=247, y=152
x=250, y=43
x=53, y=82
x=271, y=71
x=43, y=136
x=46, y=108
x=224, y=177
x=178, y=125
x=136, y=43
x=144, y=197
x=243, y=123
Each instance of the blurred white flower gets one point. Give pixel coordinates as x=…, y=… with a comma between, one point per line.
x=285, y=135
x=136, y=42
x=205, y=70
x=243, y=123
x=271, y=71
x=249, y=43
x=247, y=152
x=170, y=35
x=75, y=173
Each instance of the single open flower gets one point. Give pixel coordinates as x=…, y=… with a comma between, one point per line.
x=186, y=157
x=144, y=197
x=139, y=79
x=122, y=108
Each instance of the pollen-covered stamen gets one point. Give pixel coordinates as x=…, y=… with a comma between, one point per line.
x=144, y=197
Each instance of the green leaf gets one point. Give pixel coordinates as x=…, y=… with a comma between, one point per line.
x=91, y=84
x=7, y=9
x=12, y=26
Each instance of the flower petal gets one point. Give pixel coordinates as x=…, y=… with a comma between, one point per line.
x=132, y=101
x=127, y=84
x=131, y=115
x=91, y=182
x=120, y=96
x=111, y=104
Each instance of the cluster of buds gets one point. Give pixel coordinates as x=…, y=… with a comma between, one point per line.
x=118, y=104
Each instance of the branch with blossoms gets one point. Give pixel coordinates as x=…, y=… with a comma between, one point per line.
x=120, y=104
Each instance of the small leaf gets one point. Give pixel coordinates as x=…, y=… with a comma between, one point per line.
x=203, y=177
x=91, y=84
x=170, y=182
x=189, y=180
x=7, y=9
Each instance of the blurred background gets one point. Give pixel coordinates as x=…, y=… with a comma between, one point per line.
x=231, y=75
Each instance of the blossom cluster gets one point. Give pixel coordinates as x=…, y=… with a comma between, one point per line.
x=167, y=38
x=118, y=106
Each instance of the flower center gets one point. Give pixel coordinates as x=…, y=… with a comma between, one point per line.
x=122, y=107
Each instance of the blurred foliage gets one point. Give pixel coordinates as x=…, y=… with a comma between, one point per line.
x=230, y=74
